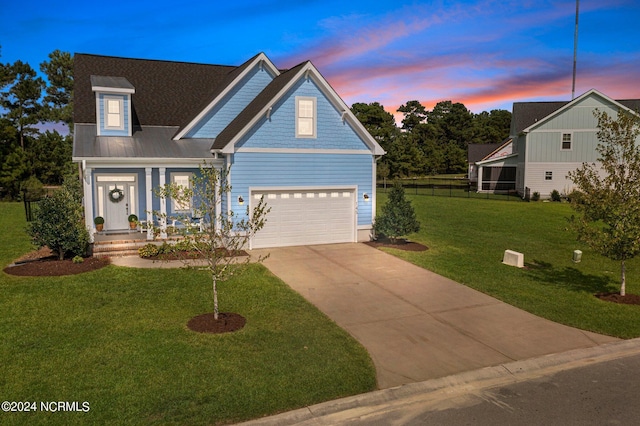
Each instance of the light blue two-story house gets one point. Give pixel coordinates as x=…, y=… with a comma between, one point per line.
x=285, y=134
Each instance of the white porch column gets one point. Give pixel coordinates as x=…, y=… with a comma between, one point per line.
x=218, y=207
x=87, y=183
x=163, y=205
x=479, y=178
x=149, y=202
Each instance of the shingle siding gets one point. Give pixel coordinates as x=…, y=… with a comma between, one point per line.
x=279, y=131
x=233, y=103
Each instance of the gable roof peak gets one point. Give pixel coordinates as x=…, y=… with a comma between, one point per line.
x=225, y=141
x=232, y=78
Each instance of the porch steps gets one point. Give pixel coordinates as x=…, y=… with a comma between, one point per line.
x=122, y=247
x=118, y=248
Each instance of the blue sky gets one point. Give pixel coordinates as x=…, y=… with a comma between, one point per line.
x=486, y=54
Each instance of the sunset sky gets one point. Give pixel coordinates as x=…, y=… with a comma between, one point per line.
x=486, y=54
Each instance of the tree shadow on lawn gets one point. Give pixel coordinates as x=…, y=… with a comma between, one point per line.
x=569, y=278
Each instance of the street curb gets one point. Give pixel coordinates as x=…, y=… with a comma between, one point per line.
x=487, y=377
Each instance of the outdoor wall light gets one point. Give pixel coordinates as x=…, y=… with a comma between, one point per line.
x=240, y=200
x=365, y=196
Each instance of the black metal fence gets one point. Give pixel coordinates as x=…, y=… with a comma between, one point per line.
x=449, y=187
x=31, y=200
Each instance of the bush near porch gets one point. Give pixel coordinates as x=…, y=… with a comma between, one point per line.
x=467, y=239
x=117, y=338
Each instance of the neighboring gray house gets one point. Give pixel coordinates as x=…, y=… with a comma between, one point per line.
x=552, y=138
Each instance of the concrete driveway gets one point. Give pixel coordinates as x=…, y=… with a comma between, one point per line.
x=416, y=325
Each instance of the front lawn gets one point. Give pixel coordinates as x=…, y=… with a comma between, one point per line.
x=467, y=239
x=117, y=339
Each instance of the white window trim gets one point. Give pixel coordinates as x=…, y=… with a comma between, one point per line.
x=120, y=100
x=314, y=117
x=549, y=174
x=562, y=141
x=172, y=177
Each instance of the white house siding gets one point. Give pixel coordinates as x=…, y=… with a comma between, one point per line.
x=535, y=178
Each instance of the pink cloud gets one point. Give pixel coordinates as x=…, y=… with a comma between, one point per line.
x=482, y=55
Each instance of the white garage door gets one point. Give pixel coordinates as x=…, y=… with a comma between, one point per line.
x=304, y=217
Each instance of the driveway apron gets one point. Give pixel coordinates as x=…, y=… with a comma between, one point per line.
x=416, y=325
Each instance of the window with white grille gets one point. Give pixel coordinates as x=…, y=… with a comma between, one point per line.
x=305, y=117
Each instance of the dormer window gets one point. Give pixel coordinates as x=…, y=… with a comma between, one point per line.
x=114, y=111
x=113, y=105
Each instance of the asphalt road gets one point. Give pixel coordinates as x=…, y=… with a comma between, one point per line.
x=604, y=393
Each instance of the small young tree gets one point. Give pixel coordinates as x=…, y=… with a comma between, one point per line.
x=609, y=193
x=398, y=218
x=59, y=221
x=220, y=233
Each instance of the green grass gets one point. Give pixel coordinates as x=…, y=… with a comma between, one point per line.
x=117, y=338
x=467, y=239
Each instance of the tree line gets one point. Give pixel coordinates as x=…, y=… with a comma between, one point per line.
x=29, y=156
x=429, y=142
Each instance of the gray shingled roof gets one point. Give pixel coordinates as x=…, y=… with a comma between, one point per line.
x=146, y=142
x=167, y=93
x=477, y=151
x=525, y=114
x=255, y=106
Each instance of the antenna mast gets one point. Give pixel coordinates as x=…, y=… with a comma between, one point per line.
x=575, y=51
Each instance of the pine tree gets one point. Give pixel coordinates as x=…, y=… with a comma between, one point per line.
x=398, y=219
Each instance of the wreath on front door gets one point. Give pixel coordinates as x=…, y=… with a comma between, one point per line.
x=116, y=195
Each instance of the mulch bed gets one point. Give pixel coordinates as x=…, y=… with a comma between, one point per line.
x=52, y=267
x=226, y=323
x=628, y=299
x=400, y=244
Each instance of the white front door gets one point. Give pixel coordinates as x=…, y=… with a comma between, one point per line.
x=116, y=196
x=116, y=210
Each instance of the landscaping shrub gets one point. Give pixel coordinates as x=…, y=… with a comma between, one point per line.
x=555, y=196
x=575, y=196
x=535, y=196
x=184, y=245
x=148, y=250
x=165, y=248
x=398, y=218
x=59, y=222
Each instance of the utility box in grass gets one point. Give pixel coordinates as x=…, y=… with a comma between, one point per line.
x=513, y=258
x=577, y=256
